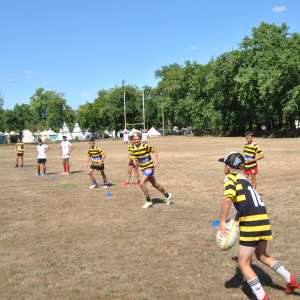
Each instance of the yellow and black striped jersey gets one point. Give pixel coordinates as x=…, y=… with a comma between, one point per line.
x=129, y=151
x=96, y=155
x=20, y=147
x=254, y=221
x=250, y=150
x=143, y=155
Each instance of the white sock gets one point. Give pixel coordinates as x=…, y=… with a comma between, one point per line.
x=257, y=288
x=136, y=180
x=127, y=180
x=281, y=270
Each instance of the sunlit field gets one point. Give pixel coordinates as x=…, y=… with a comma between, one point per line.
x=61, y=240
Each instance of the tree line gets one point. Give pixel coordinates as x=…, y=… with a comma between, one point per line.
x=257, y=85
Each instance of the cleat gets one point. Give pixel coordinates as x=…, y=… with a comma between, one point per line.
x=136, y=183
x=294, y=284
x=21, y=166
x=37, y=174
x=168, y=200
x=147, y=204
x=63, y=173
x=43, y=174
x=266, y=297
x=94, y=186
x=67, y=173
x=105, y=186
x=126, y=183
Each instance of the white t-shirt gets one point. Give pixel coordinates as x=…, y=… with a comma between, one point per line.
x=41, y=150
x=65, y=146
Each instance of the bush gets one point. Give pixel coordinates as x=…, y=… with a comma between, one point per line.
x=13, y=137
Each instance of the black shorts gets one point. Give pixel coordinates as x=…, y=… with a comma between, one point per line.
x=97, y=167
x=250, y=243
x=41, y=160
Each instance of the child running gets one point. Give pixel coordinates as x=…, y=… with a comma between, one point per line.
x=98, y=157
x=19, y=149
x=66, y=152
x=42, y=157
x=141, y=154
x=250, y=150
x=131, y=166
x=255, y=228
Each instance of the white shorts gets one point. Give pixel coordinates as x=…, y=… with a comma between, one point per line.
x=66, y=156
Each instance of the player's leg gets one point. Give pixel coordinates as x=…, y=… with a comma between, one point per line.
x=161, y=189
x=143, y=181
x=261, y=255
x=246, y=175
x=104, y=178
x=65, y=167
x=136, y=171
x=253, y=180
x=95, y=185
x=44, y=168
x=128, y=174
x=22, y=159
x=38, y=169
x=244, y=261
x=17, y=160
x=68, y=165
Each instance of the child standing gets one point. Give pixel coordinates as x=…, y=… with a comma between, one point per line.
x=131, y=166
x=42, y=157
x=19, y=149
x=141, y=154
x=250, y=151
x=65, y=152
x=255, y=228
x=98, y=157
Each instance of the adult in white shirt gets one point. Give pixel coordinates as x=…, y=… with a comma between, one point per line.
x=42, y=157
x=66, y=149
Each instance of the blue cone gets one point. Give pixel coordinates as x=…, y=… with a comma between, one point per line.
x=109, y=195
x=215, y=223
x=53, y=178
x=2, y=164
x=25, y=169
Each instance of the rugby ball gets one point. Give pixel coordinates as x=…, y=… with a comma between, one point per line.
x=225, y=243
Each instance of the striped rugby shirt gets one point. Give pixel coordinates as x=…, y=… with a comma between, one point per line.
x=20, y=147
x=96, y=155
x=249, y=152
x=254, y=221
x=130, y=147
x=142, y=154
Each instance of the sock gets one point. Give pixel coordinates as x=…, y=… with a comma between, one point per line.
x=94, y=182
x=128, y=179
x=281, y=270
x=39, y=170
x=148, y=199
x=44, y=170
x=104, y=181
x=16, y=165
x=65, y=169
x=166, y=195
x=68, y=168
x=21, y=165
x=257, y=288
x=136, y=180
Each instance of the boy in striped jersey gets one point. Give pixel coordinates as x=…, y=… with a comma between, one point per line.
x=255, y=229
x=141, y=155
x=131, y=166
x=250, y=151
x=20, y=148
x=98, y=157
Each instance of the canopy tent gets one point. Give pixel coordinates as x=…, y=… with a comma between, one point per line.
x=3, y=138
x=12, y=133
x=77, y=132
x=64, y=132
x=133, y=130
x=89, y=134
x=153, y=132
x=46, y=138
x=108, y=133
x=28, y=137
x=51, y=134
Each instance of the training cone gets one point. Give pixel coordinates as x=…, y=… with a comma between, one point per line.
x=25, y=169
x=109, y=195
x=2, y=164
x=53, y=178
x=215, y=223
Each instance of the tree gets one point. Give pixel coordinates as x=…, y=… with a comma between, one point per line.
x=2, y=113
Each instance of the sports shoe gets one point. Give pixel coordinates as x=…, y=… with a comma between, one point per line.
x=63, y=173
x=43, y=174
x=136, y=183
x=294, y=284
x=37, y=174
x=168, y=200
x=147, y=204
x=105, y=186
x=94, y=186
x=126, y=183
x=67, y=173
x=266, y=297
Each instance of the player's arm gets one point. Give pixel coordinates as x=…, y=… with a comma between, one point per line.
x=88, y=161
x=72, y=147
x=156, y=158
x=16, y=148
x=226, y=203
x=25, y=146
x=47, y=149
x=102, y=159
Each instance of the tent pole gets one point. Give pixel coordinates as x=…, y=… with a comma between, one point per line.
x=144, y=109
x=124, y=111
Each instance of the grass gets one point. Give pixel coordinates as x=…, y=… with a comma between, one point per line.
x=61, y=240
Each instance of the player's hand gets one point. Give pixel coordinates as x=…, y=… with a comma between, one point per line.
x=99, y=164
x=224, y=231
x=68, y=153
x=87, y=165
x=250, y=160
x=155, y=164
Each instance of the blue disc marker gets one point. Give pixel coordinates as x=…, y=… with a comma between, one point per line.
x=215, y=223
x=109, y=195
x=25, y=169
x=2, y=164
x=53, y=178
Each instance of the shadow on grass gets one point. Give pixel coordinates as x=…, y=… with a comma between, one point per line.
x=74, y=172
x=157, y=200
x=238, y=281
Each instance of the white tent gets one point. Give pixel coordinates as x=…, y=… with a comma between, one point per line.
x=64, y=132
x=77, y=132
x=28, y=137
x=108, y=133
x=89, y=134
x=153, y=132
x=12, y=133
x=133, y=130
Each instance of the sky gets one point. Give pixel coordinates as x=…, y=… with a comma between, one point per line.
x=79, y=47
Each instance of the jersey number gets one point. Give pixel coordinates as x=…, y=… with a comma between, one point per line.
x=255, y=196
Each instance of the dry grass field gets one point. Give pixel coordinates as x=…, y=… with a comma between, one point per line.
x=61, y=240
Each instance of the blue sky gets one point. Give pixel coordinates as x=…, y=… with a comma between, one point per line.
x=79, y=47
